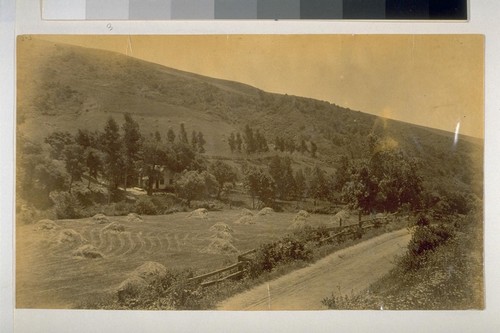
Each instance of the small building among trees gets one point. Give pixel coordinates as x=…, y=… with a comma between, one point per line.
x=162, y=179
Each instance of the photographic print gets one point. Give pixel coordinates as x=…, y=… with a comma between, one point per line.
x=249, y=172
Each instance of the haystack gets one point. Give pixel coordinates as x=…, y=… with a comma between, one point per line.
x=223, y=235
x=343, y=216
x=114, y=227
x=150, y=271
x=245, y=220
x=45, y=224
x=133, y=217
x=221, y=227
x=200, y=213
x=87, y=251
x=303, y=213
x=300, y=220
x=70, y=236
x=100, y=218
x=246, y=212
x=265, y=211
x=298, y=223
x=220, y=246
x=131, y=287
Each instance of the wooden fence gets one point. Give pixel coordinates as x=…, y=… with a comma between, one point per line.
x=237, y=269
x=230, y=272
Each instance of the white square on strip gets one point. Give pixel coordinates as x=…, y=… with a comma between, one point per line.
x=63, y=9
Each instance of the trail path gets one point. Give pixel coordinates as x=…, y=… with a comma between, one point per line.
x=351, y=269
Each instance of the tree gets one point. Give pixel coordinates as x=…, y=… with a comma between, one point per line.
x=93, y=163
x=259, y=185
x=398, y=179
x=86, y=139
x=300, y=184
x=223, y=173
x=181, y=157
x=194, y=140
x=58, y=141
x=193, y=185
x=183, y=134
x=343, y=173
x=201, y=143
x=249, y=139
x=318, y=187
x=314, y=149
x=232, y=142
x=50, y=175
x=113, y=163
x=384, y=183
x=74, y=160
x=361, y=191
x=238, y=142
x=281, y=171
x=132, y=141
x=260, y=142
x=170, y=135
x=154, y=157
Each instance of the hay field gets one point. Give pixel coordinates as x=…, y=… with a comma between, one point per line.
x=49, y=275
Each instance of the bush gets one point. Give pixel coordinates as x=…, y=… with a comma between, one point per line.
x=88, y=197
x=285, y=250
x=172, y=291
x=27, y=214
x=66, y=205
x=425, y=240
x=165, y=204
x=145, y=206
x=310, y=234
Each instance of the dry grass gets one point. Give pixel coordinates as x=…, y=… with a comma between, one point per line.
x=245, y=220
x=52, y=277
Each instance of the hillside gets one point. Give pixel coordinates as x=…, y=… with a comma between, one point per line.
x=64, y=87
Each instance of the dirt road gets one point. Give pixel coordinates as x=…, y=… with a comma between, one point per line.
x=351, y=269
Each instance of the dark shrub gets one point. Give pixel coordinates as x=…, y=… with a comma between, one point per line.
x=145, y=206
x=425, y=239
x=285, y=250
x=66, y=205
x=310, y=234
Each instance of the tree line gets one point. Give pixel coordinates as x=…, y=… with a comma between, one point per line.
x=119, y=154
x=253, y=141
x=115, y=156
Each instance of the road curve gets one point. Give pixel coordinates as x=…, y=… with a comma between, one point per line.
x=352, y=269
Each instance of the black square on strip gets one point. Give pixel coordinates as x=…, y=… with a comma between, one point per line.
x=407, y=9
x=364, y=9
x=448, y=9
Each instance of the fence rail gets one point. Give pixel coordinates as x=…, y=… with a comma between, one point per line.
x=237, y=269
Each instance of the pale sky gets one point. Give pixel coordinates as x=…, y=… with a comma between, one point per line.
x=431, y=80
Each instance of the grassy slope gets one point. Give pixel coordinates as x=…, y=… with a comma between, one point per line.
x=450, y=279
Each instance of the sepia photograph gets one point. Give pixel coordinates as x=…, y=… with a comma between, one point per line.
x=249, y=172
